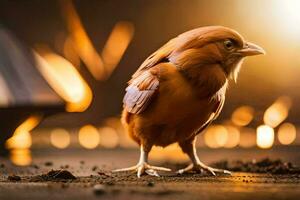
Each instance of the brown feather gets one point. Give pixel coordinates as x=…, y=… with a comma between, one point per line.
x=188, y=80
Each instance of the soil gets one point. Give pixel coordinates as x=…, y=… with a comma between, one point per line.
x=73, y=178
x=265, y=165
x=53, y=175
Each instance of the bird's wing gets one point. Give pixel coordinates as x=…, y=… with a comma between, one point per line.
x=158, y=56
x=140, y=91
x=144, y=82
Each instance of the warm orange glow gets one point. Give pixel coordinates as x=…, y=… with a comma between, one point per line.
x=287, y=133
x=171, y=153
x=233, y=137
x=66, y=81
x=242, y=116
x=20, y=157
x=288, y=17
x=277, y=112
x=216, y=136
x=264, y=136
x=247, y=138
x=83, y=44
x=21, y=138
x=89, y=137
x=124, y=139
x=109, y=137
x=60, y=138
x=116, y=45
x=70, y=53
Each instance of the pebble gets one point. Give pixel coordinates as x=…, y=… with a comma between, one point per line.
x=14, y=178
x=150, y=184
x=99, y=189
x=48, y=163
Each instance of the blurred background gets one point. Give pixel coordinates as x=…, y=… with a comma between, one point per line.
x=64, y=67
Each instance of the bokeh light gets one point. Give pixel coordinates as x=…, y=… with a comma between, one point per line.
x=60, y=138
x=277, y=112
x=83, y=45
x=170, y=153
x=247, y=137
x=287, y=133
x=88, y=137
x=264, y=136
x=20, y=157
x=70, y=53
x=109, y=137
x=21, y=138
x=233, y=137
x=66, y=81
x=242, y=116
x=216, y=136
x=116, y=45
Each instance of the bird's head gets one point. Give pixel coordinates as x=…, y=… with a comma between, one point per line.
x=214, y=45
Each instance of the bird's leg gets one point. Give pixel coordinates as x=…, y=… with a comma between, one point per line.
x=190, y=149
x=143, y=166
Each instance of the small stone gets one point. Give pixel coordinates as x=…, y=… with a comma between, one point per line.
x=60, y=174
x=94, y=168
x=110, y=183
x=64, y=166
x=99, y=189
x=48, y=163
x=150, y=184
x=35, y=166
x=14, y=178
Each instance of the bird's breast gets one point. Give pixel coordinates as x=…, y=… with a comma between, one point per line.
x=178, y=109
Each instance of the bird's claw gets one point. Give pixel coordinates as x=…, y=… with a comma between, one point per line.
x=201, y=167
x=143, y=168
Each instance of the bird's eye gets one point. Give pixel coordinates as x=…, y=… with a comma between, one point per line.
x=228, y=44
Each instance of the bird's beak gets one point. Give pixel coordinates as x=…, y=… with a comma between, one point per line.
x=251, y=49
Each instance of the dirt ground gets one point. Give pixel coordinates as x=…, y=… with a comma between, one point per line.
x=90, y=178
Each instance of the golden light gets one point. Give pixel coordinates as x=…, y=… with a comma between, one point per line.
x=60, y=138
x=242, y=116
x=277, y=112
x=288, y=16
x=82, y=42
x=66, y=81
x=233, y=137
x=109, y=137
x=116, y=45
x=287, y=133
x=21, y=138
x=216, y=136
x=171, y=153
x=20, y=157
x=88, y=137
x=70, y=53
x=124, y=139
x=264, y=136
x=247, y=137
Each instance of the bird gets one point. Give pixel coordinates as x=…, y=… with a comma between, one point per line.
x=179, y=90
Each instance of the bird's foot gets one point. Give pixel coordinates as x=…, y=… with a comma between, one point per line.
x=143, y=168
x=200, y=167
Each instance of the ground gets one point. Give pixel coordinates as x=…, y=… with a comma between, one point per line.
x=94, y=179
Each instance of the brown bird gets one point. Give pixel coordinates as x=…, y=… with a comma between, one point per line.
x=180, y=89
